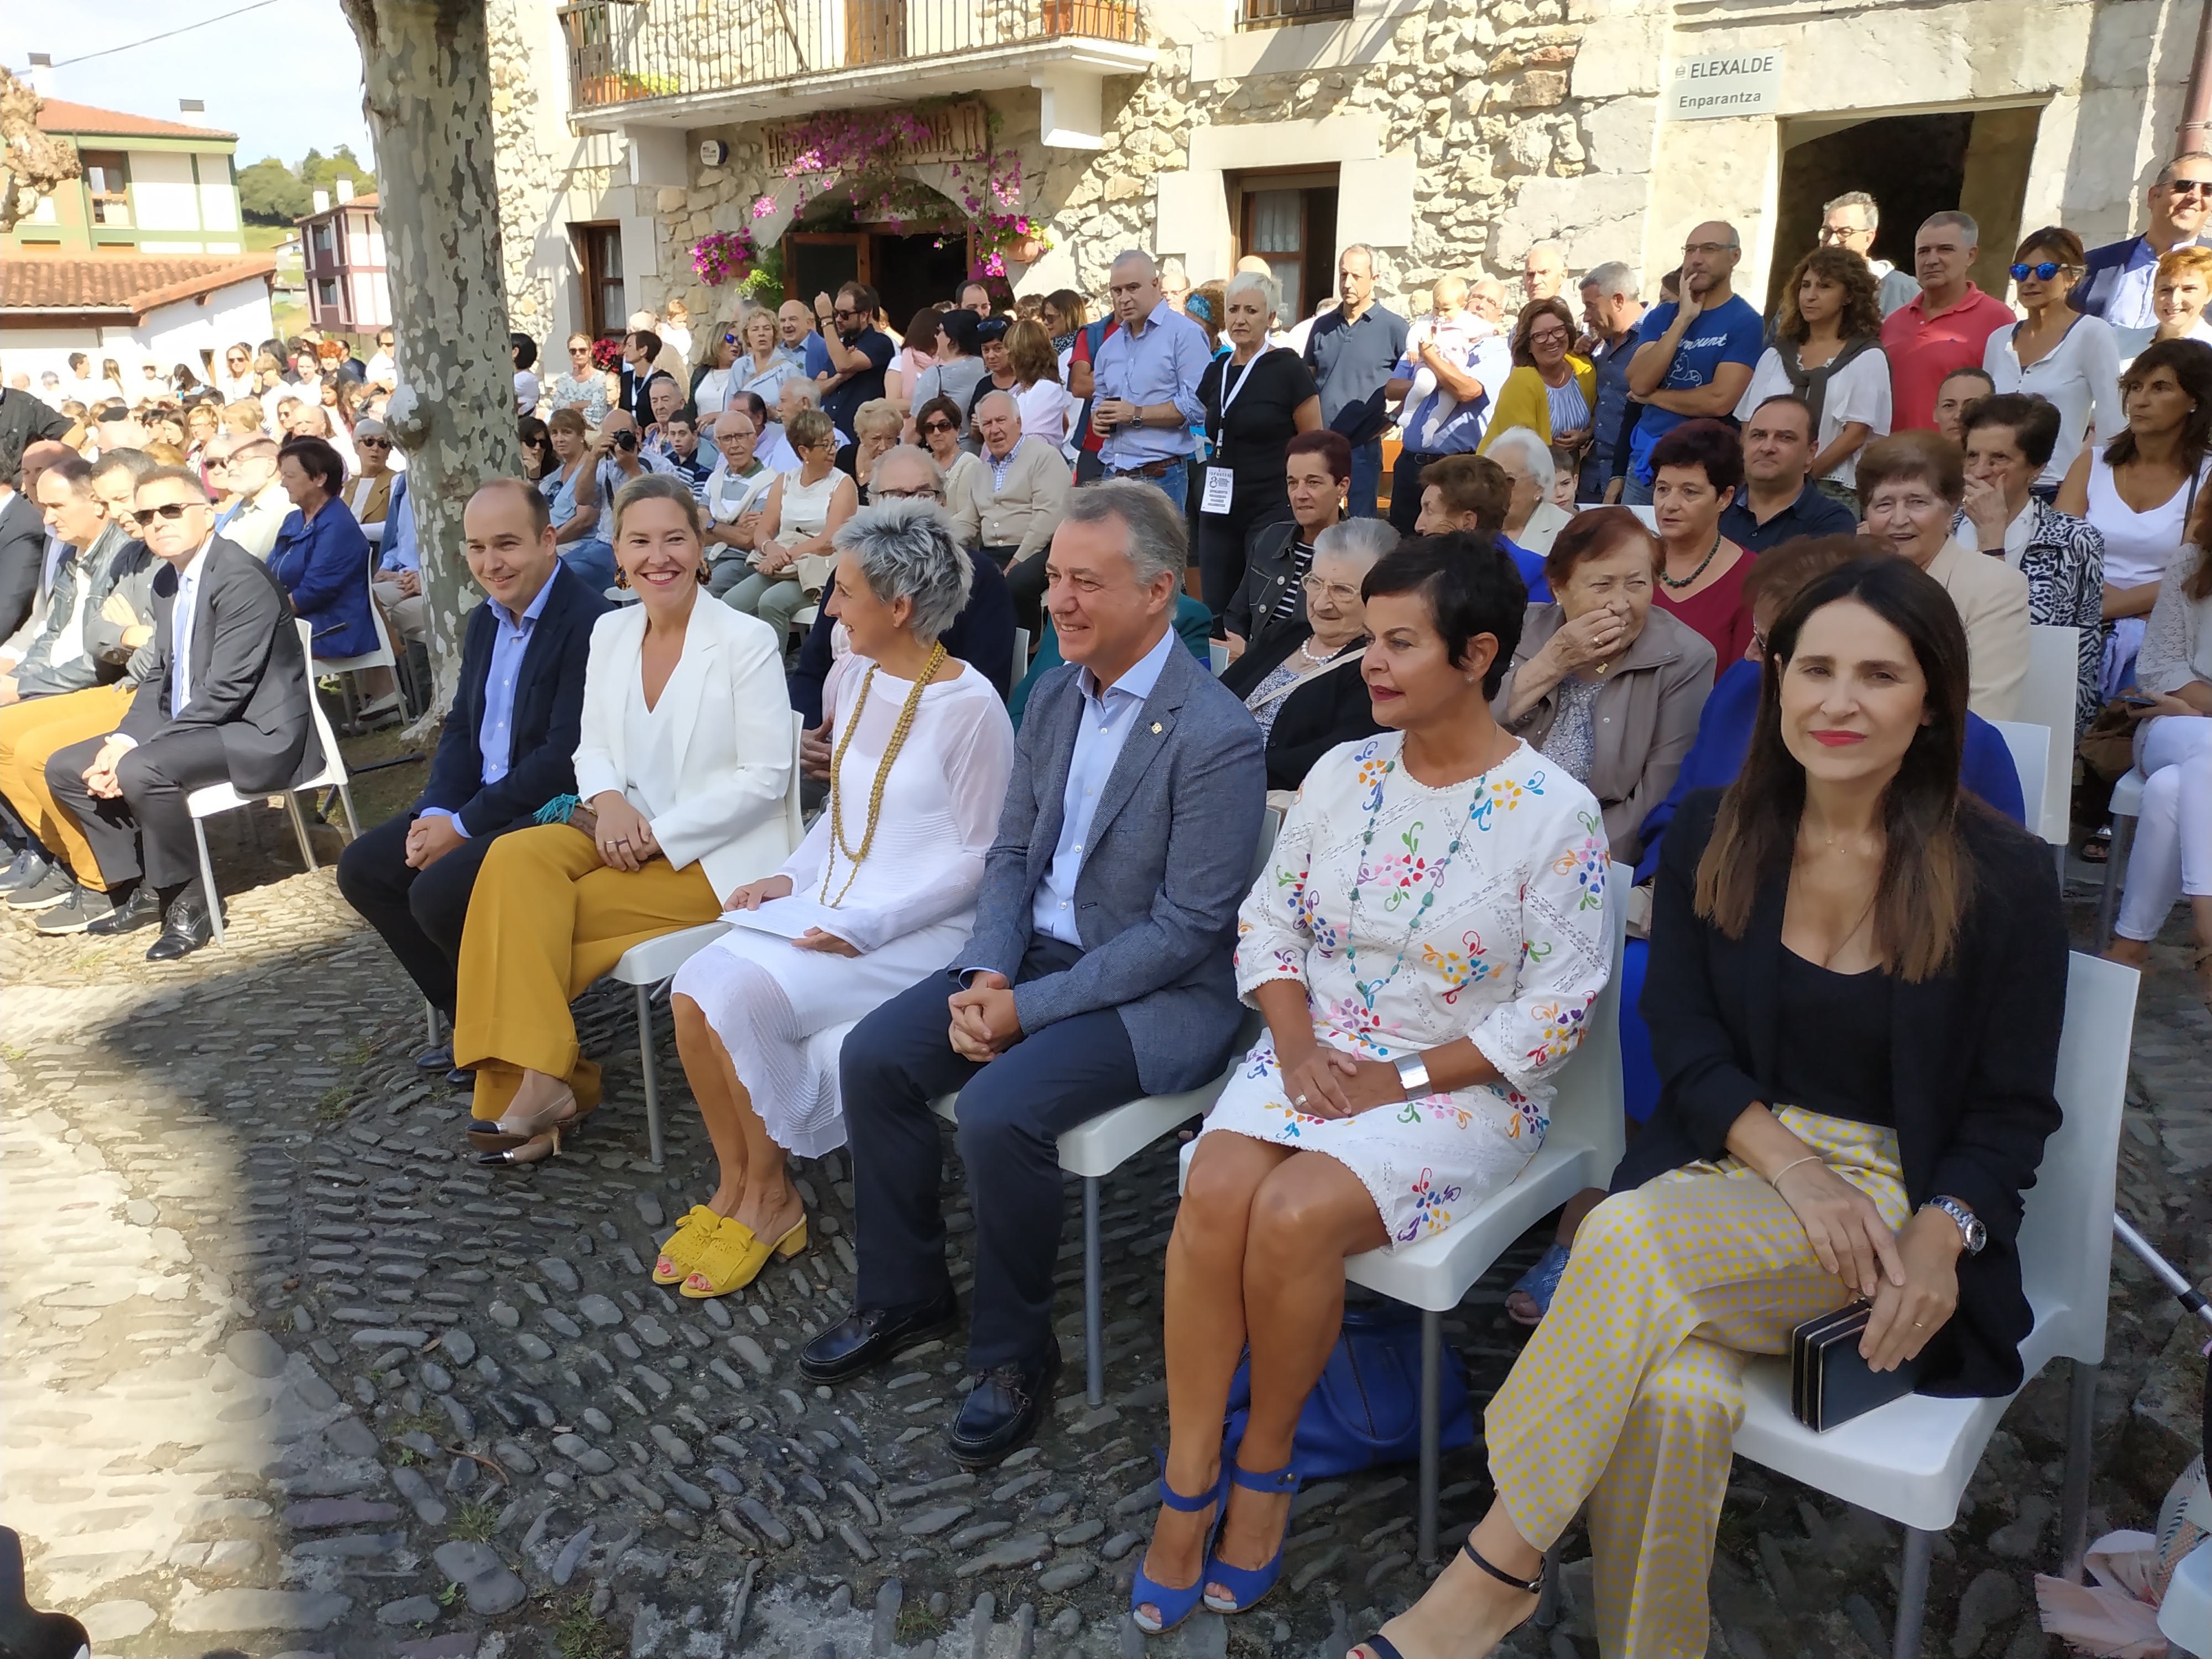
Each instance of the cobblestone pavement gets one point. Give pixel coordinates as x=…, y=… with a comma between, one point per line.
x=285, y=1373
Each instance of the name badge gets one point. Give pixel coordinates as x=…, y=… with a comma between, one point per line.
x=1219, y=482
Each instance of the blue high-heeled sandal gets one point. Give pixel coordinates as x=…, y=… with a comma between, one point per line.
x=1250, y=1584
x=1177, y=1605
x=1539, y=1285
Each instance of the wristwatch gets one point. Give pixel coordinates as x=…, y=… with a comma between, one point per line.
x=1413, y=1076
x=1969, y=1224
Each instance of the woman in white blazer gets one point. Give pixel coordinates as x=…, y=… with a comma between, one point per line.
x=681, y=766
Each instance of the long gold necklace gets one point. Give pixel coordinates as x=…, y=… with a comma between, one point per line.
x=837, y=841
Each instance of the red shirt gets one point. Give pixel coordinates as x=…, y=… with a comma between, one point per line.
x=1719, y=613
x=1081, y=354
x=1922, y=349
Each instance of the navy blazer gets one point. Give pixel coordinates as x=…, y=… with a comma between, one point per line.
x=1973, y=1059
x=981, y=636
x=549, y=711
x=1170, y=860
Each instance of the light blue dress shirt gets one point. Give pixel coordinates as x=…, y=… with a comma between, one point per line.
x=510, y=642
x=1490, y=360
x=181, y=631
x=1107, y=718
x=1160, y=366
x=399, y=550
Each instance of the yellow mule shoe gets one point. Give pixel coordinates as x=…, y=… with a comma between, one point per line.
x=679, y=1251
x=734, y=1258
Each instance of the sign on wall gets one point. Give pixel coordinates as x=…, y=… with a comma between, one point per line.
x=1724, y=83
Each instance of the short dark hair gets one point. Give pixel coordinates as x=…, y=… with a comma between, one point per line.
x=940, y=405
x=756, y=405
x=183, y=475
x=1794, y=402
x=1592, y=534
x=1710, y=446
x=525, y=349
x=648, y=341
x=318, y=459
x=863, y=298
x=1332, y=445
x=2033, y=420
x=541, y=510
x=137, y=461
x=1471, y=589
x=74, y=471
x=1472, y=483
x=1928, y=456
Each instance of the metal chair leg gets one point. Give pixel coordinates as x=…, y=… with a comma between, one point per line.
x=1432, y=1344
x=2116, y=859
x=2074, y=1494
x=207, y=881
x=645, y=1065
x=1094, y=1300
x=300, y=829
x=1912, y=1594
x=430, y=1022
x=1548, y=1600
x=353, y=823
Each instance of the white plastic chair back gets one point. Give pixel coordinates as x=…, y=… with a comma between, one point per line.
x=2031, y=759
x=1021, y=653
x=1216, y=657
x=2047, y=700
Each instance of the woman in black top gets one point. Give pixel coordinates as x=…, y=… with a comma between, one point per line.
x=1256, y=400
x=1858, y=978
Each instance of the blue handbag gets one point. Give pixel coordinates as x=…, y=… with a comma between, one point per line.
x=1366, y=1408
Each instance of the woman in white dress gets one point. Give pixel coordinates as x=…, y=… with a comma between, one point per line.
x=1425, y=942
x=881, y=892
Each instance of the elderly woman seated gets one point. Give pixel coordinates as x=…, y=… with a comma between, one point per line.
x=1533, y=519
x=1603, y=683
x=875, y=426
x=683, y=763
x=1424, y=944
x=882, y=891
x=1301, y=681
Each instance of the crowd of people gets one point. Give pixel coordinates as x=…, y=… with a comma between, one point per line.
x=1682, y=613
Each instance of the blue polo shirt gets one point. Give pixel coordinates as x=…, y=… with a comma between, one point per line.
x=1352, y=360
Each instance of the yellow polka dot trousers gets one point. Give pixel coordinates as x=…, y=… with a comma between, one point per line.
x=1630, y=1394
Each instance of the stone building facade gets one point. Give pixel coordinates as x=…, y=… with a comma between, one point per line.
x=1449, y=135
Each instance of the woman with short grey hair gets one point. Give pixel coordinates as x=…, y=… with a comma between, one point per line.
x=881, y=892
x=1256, y=400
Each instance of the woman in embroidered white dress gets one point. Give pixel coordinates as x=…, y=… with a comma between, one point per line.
x=881, y=892
x=1425, y=942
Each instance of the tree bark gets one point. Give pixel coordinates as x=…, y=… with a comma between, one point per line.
x=33, y=163
x=427, y=66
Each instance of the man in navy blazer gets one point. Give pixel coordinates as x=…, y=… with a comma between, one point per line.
x=1099, y=971
x=509, y=747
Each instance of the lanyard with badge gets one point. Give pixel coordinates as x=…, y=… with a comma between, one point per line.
x=1219, y=481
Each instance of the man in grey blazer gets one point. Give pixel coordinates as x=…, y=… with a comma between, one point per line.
x=1099, y=971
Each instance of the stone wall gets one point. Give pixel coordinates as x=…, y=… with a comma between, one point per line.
x=527, y=181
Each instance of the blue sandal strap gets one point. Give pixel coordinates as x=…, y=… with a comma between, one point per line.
x=1380, y=1645
x=1273, y=1480
x=1176, y=1500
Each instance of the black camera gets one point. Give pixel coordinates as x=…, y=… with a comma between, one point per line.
x=625, y=440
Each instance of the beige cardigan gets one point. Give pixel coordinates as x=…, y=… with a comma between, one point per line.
x=1645, y=720
x=1992, y=601
x=1024, y=513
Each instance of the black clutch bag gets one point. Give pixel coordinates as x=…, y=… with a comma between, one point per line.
x=1829, y=1382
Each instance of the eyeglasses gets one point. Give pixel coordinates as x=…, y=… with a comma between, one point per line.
x=841, y=314
x=730, y=339
x=1549, y=337
x=922, y=492
x=1843, y=233
x=1337, y=592
x=2043, y=272
x=373, y=443
x=928, y=426
x=235, y=360
x=170, y=510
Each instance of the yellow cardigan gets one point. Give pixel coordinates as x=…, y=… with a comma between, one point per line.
x=1521, y=401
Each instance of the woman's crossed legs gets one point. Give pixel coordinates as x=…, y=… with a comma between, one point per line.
x=1257, y=1256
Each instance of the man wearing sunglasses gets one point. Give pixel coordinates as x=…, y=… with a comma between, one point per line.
x=860, y=352
x=224, y=699
x=2117, y=283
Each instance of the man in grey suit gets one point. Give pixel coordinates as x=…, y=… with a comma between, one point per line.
x=1099, y=971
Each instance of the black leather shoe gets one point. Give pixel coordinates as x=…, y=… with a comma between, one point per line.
x=141, y=909
x=186, y=928
x=873, y=1336
x=460, y=1078
x=1003, y=1411
x=439, y=1058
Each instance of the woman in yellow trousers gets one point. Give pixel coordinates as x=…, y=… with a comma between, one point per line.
x=1858, y=978
x=682, y=767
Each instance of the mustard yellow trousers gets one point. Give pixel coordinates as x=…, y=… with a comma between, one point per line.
x=1630, y=1394
x=547, y=918
x=30, y=734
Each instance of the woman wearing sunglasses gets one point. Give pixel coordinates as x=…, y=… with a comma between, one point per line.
x=2059, y=354
x=937, y=422
x=582, y=386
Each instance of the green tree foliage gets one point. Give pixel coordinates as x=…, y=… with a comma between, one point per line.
x=269, y=192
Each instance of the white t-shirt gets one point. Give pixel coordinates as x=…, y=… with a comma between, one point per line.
x=2081, y=375
x=1859, y=392
x=1046, y=409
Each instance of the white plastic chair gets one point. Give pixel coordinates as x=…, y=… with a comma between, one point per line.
x=213, y=798
x=2184, y=1616
x=1911, y=1461
x=1096, y=1149
x=1217, y=656
x=2127, y=807
x=647, y=966
x=1021, y=653
x=2031, y=759
x=2047, y=700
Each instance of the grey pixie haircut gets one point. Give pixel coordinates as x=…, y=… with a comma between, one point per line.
x=1614, y=278
x=1159, y=538
x=907, y=551
x=1364, y=539
x=1857, y=198
x=1252, y=281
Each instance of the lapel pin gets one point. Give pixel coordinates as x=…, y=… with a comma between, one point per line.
x=1155, y=728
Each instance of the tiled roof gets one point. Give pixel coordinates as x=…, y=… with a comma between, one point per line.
x=59, y=115
x=132, y=283
x=367, y=201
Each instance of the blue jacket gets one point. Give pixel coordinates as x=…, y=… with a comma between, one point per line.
x=1724, y=739
x=323, y=563
x=544, y=728
x=1170, y=859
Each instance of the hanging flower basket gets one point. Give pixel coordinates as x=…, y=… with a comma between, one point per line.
x=723, y=256
x=606, y=355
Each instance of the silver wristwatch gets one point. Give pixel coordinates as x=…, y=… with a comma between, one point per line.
x=1412, y=1075
x=1970, y=1224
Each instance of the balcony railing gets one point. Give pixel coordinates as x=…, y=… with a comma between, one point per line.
x=624, y=51
x=1275, y=14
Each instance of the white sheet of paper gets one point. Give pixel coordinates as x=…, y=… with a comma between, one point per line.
x=786, y=918
x=1220, y=482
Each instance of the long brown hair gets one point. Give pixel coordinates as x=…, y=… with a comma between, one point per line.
x=2190, y=361
x=1927, y=878
x=1861, y=317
